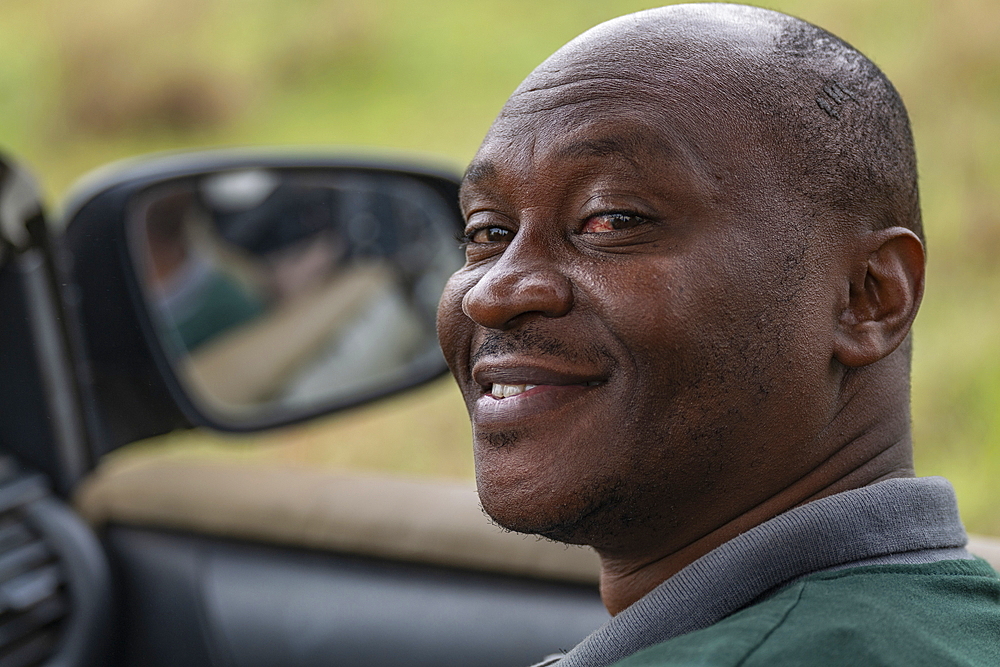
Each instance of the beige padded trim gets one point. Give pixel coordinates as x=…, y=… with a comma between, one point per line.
x=387, y=517
x=987, y=548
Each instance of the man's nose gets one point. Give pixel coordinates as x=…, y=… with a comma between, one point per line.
x=514, y=288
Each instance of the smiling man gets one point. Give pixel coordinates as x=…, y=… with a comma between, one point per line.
x=693, y=256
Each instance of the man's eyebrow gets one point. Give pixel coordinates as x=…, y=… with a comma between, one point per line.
x=479, y=171
x=621, y=146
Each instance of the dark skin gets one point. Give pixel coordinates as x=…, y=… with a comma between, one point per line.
x=703, y=358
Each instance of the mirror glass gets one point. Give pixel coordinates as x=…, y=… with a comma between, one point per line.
x=277, y=292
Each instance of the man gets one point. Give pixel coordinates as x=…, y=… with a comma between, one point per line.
x=682, y=332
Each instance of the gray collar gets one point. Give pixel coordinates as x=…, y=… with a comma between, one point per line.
x=912, y=520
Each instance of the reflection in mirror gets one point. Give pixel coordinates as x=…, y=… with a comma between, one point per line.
x=279, y=291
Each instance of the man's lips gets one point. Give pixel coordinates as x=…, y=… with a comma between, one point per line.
x=500, y=391
x=496, y=376
x=513, y=390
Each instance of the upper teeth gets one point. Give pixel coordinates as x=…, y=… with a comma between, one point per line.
x=506, y=390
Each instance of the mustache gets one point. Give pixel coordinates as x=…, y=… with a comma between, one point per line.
x=530, y=341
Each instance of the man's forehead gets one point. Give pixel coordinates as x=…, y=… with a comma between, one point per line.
x=576, y=117
x=617, y=138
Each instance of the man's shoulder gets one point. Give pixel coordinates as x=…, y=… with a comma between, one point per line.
x=944, y=613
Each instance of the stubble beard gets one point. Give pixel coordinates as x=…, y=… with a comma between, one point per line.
x=599, y=513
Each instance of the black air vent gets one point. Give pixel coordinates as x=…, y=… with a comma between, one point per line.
x=33, y=597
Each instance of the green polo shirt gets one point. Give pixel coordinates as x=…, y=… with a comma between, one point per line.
x=943, y=614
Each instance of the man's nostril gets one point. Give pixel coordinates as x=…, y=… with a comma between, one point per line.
x=498, y=299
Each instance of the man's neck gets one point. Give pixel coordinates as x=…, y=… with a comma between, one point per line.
x=626, y=577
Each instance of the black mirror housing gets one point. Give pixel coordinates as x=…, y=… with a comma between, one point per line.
x=138, y=387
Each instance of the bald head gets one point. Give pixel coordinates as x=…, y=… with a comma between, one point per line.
x=836, y=127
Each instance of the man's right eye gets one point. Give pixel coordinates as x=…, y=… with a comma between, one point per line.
x=491, y=235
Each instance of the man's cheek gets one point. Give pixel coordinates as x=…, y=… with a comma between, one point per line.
x=454, y=328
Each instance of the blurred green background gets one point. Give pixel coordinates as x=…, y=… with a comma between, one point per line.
x=87, y=83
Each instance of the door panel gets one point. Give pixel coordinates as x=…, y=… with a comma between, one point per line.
x=193, y=600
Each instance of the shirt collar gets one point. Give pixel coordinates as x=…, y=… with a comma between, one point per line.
x=895, y=521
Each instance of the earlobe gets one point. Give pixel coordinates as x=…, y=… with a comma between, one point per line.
x=885, y=291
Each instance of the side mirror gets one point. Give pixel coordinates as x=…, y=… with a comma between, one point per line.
x=265, y=289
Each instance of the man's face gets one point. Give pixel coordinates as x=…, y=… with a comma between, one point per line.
x=632, y=330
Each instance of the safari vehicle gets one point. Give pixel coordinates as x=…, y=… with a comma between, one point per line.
x=242, y=291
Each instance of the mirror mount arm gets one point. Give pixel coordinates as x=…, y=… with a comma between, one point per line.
x=28, y=247
x=57, y=362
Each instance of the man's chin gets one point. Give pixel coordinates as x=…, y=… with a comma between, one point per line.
x=588, y=523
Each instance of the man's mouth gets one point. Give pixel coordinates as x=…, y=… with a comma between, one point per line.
x=498, y=390
x=507, y=390
x=513, y=389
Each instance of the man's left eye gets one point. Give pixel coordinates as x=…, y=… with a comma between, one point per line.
x=609, y=222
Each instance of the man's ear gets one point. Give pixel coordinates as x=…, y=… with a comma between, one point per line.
x=886, y=285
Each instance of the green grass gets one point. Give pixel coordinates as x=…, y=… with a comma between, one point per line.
x=87, y=83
